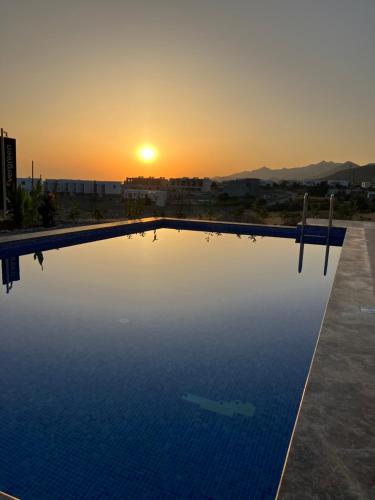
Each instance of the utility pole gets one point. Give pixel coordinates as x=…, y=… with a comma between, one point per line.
x=3, y=173
x=32, y=193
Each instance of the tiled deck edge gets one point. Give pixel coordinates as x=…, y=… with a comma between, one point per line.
x=198, y=224
x=332, y=454
x=23, y=243
x=20, y=244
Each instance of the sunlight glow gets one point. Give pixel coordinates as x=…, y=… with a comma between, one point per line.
x=147, y=153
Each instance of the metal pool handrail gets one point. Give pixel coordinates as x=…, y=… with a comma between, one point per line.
x=331, y=204
x=304, y=211
x=330, y=218
x=302, y=244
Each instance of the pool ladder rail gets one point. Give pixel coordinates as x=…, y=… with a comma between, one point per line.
x=330, y=219
x=303, y=224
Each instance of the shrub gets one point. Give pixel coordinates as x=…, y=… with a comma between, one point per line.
x=47, y=210
x=74, y=214
x=19, y=208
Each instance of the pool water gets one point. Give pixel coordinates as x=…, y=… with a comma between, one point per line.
x=162, y=365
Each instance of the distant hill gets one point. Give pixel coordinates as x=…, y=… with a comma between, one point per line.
x=354, y=175
x=313, y=171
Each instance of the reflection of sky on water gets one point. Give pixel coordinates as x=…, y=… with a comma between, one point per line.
x=99, y=348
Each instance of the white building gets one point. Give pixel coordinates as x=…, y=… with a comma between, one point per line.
x=75, y=187
x=366, y=184
x=147, y=183
x=311, y=182
x=26, y=183
x=157, y=196
x=112, y=188
x=267, y=182
x=371, y=195
x=240, y=187
x=191, y=184
x=338, y=183
x=68, y=186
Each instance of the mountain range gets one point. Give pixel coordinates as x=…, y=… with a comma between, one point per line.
x=324, y=169
x=355, y=175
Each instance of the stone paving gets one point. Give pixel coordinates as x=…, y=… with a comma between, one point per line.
x=332, y=454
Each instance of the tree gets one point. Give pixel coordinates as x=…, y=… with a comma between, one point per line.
x=19, y=207
x=47, y=210
x=36, y=195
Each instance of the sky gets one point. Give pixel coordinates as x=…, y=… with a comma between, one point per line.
x=217, y=86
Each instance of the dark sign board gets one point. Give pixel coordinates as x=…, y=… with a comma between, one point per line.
x=11, y=269
x=10, y=168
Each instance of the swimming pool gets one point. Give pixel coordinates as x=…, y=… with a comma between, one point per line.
x=166, y=364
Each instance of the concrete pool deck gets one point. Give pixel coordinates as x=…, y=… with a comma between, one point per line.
x=332, y=452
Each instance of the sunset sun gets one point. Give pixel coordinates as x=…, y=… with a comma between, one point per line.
x=147, y=153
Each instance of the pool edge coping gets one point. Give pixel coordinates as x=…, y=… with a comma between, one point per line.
x=23, y=243
x=337, y=465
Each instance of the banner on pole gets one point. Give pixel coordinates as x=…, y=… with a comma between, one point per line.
x=10, y=164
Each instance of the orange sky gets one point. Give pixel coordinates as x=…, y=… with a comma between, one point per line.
x=217, y=86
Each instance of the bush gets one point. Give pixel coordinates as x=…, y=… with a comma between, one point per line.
x=23, y=207
x=74, y=214
x=346, y=209
x=19, y=208
x=36, y=196
x=291, y=218
x=134, y=208
x=98, y=215
x=47, y=210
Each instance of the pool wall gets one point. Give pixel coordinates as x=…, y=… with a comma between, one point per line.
x=22, y=244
